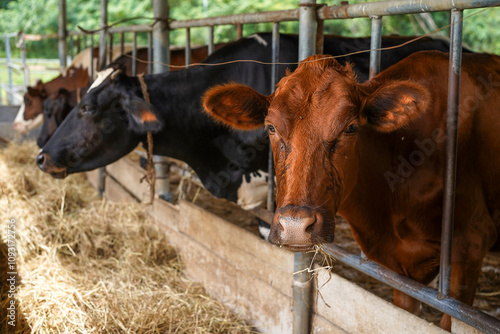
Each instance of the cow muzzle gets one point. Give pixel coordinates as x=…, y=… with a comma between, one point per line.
x=299, y=228
x=47, y=165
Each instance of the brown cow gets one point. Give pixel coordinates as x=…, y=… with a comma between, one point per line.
x=374, y=154
x=30, y=113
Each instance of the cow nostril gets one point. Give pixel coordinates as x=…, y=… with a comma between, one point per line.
x=40, y=159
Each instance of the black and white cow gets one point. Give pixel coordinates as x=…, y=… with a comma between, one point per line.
x=113, y=117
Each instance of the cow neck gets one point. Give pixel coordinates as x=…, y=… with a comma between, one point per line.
x=189, y=134
x=151, y=173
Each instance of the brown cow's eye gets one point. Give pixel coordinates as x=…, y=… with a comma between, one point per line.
x=351, y=129
x=271, y=129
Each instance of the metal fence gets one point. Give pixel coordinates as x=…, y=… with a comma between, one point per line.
x=311, y=17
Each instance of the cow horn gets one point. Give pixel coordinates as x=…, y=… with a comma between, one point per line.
x=115, y=74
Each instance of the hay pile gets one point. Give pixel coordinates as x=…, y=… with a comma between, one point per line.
x=91, y=266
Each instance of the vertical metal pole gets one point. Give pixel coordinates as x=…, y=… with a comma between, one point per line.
x=63, y=33
x=110, y=47
x=161, y=37
x=134, y=54
x=188, y=47
x=150, y=52
x=102, y=43
x=25, y=66
x=84, y=42
x=302, y=284
x=274, y=81
x=9, y=70
x=455, y=64
x=92, y=70
x=375, y=44
x=78, y=44
x=210, y=40
x=239, y=31
x=101, y=182
x=161, y=49
x=71, y=48
x=122, y=43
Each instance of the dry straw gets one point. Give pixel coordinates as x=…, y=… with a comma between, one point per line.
x=91, y=266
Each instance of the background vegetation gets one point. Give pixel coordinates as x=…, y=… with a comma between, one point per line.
x=41, y=17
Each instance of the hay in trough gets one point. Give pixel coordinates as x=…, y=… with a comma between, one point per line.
x=86, y=265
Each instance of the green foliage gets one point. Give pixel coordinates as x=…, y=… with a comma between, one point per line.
x=481, y=32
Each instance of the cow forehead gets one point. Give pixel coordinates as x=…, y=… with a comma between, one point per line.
x=101, y=76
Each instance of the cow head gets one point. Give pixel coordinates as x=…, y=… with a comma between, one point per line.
x=108, y=123
x=29, y=115
x=315, y=120
x=55, y=110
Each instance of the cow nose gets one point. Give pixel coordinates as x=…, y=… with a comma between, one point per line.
x=294, y=228
x=40, y=161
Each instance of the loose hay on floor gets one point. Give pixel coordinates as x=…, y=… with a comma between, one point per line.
x=90, y=266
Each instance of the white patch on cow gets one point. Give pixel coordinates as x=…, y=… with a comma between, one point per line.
x=265, y=231
x=22, y=125
x=101, y=76
x=254, y=193
x=259, y=39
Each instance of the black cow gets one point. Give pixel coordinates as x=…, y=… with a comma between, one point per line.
x=55, y=109
x=113, y=118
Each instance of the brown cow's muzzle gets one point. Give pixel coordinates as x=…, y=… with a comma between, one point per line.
x=46, y=164
x=299, y=228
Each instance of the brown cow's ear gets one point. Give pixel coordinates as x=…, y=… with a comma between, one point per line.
x=143, y=117
x=393, y=105
x=237, y=106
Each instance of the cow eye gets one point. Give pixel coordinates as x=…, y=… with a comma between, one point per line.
x=86, y=110
x=351, y=129
x=271, y=129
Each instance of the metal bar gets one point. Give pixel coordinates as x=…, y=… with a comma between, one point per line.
x=239, y=31
x=26, y=73
x=9, y=70
x=122, y=43
x=103, y=33
x=419, y=291
x=92, y=69
x=134, y=54
x=78, y=44
x=161, y=38
x=84, y=41
x=262, y=17
x=399, y=7
x=71, y=48
x=150, y=52
x=302, y=291
x=211, y=46
x=320, y=36
x=274, y=81
x=63, y=33
x=455, y=64
x=188, y=47
x=110, y=47
x=161, y=48
x=375, y=44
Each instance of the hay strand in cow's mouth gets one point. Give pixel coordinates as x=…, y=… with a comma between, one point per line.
x=86, y=265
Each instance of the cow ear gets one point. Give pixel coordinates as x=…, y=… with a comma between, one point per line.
x=237, y=106
x=143, y=118
x=393, y=105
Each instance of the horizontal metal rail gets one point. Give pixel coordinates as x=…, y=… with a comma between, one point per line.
x=421, y=292
x=399, y=7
